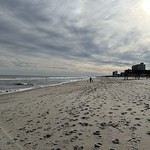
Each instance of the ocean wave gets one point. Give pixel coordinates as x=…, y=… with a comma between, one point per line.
x=34, y=86
x=20, y=83
x=39, y=78
x=14, y=90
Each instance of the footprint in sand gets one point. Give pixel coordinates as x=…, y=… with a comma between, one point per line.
x=148, y=133
x=97, y=145
x=115, y=141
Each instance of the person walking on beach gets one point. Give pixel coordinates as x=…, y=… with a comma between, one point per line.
x=91, y=80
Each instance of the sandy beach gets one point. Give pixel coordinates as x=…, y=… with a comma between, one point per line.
x=107, y=114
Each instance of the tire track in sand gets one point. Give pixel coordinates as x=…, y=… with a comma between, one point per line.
x=7, y=135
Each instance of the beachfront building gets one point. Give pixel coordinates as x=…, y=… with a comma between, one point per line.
x=140, y=67
x=115, y=73
x=122, y=74
x=137, y=71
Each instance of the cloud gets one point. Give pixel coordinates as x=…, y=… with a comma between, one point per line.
x=57, y=37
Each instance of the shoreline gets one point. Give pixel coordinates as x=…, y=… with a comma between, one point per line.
x=105, y=114
x=37, y=87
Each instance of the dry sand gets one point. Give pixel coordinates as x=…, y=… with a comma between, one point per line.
x=108, y=114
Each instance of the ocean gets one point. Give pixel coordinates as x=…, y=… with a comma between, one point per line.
x=16, y=83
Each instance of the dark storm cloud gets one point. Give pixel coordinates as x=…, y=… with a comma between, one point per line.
x=72, y=32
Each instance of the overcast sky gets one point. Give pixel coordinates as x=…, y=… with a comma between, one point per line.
x=73, y=37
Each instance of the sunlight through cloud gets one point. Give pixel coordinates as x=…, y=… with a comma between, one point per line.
x=146, y=6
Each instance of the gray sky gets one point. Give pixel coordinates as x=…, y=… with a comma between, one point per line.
x=73, y=37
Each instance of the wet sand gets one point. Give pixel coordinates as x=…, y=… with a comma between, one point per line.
x=108, y=114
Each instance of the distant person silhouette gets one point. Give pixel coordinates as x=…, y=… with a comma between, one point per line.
x=91, y=80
